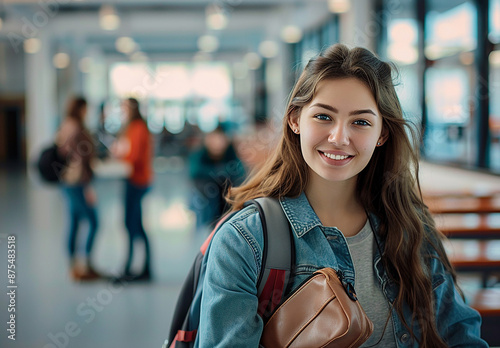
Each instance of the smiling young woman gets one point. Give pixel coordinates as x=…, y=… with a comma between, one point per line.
x=339, y=130
x=345, y=173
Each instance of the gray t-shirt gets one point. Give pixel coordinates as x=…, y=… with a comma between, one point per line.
x=368, y=289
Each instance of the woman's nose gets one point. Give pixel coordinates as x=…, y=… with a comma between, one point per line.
x=339, y=136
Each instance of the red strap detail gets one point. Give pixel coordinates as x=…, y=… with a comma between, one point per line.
x=184, y=336
x=279, y=289
x=205, y=245
x=273, y=291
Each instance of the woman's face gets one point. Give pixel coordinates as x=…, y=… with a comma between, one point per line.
x=216, y=143
x=339, y=129
x=126, y=111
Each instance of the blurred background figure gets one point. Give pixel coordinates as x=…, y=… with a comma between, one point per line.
x=76, y=145
x=135, y=146
x=213, y=168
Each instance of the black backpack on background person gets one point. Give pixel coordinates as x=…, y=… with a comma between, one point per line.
x=50, y=164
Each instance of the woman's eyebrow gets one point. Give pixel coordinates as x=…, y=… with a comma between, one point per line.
x=352, y=113
x=362, y=111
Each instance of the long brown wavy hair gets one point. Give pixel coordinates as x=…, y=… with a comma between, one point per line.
x=388, y=186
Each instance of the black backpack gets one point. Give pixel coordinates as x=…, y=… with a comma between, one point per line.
x=51, y=164
x=278, y=262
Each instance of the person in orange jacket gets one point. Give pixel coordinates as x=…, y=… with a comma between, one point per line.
x=135, y=146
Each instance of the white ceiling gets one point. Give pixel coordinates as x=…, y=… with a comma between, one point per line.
x=158, y=26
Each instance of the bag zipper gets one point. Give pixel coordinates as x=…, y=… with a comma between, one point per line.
x=348, y=287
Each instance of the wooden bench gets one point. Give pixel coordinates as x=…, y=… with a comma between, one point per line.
x=463, y=193
x=487, y=303
x=462, y=205
x=476, y=217
x=474, y=256
x=474, y=226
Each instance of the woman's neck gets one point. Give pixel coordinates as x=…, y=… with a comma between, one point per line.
x=337, y=204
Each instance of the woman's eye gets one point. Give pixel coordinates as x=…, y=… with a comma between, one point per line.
x=361, y=123
x=323, y=117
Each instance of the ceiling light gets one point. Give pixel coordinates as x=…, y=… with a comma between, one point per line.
x=339, y=6
x=108, y=19
x=494, y=58
x=208, y=43
x=125, y=45
x=253, y=60
x=268, y=49
x=291, y=34
x=215, y=17
x=217, y=21
x=32, y=45
x=61, y=60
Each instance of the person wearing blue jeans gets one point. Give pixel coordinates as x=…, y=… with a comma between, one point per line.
x=133, y=222
x=76, y=146
x=135, y=147
x=80, y=209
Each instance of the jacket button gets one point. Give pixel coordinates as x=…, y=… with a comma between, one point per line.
x=404, y=337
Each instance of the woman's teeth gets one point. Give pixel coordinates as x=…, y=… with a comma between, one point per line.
x=335, y=157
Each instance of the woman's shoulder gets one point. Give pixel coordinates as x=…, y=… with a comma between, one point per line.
x=247, y=218
x=245, y=223
x=138, y=125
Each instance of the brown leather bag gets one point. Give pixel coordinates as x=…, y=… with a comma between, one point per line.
x=318, y=314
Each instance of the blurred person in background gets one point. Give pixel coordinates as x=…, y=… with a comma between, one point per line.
x=76, y=145
x=135, y=146
x=213, y=168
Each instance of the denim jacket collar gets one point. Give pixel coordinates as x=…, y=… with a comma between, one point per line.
x=300, y=214
x=308, y=218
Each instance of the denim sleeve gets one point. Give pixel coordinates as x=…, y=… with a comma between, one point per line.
x=229, y=302
x=458, y=324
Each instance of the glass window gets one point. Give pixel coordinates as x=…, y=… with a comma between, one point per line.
x=495, y=110
x=311, y=47
x=329, y=32
x=448, y=113
x=450, y=81
x=494, y=20
x=316, y=40
x=401, y=47
x=494, y=87
x=166, y=89
x=402, y=41
x=450, y=28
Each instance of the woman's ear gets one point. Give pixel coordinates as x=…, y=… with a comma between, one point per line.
x=293, y=121
x=383, y=137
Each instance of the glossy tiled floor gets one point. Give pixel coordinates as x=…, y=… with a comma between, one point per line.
x=52, y=311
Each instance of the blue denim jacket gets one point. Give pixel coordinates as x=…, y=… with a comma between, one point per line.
x=229, y=301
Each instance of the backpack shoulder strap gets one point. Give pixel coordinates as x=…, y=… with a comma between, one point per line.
x=278, y=255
